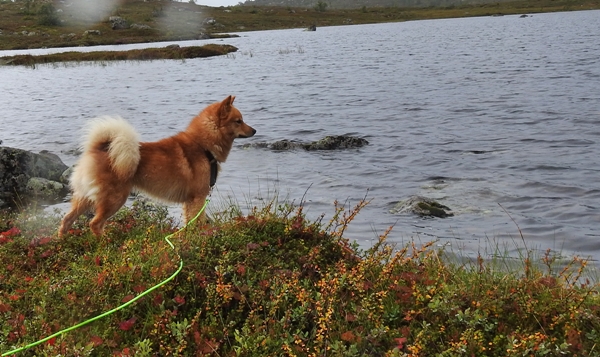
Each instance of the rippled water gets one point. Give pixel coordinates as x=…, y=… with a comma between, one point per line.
x=495, y=117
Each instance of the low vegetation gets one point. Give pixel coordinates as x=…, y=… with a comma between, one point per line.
x=170, y=52
x=35, y=24
x=272, y=283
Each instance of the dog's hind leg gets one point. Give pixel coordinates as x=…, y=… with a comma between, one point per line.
x=78, y=207
x=106, y=207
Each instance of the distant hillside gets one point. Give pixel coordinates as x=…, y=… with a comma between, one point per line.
x=357, y=4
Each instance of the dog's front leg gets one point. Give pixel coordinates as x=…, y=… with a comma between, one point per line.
x=191, y=209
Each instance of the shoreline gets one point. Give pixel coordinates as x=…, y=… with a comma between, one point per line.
x=142, y=22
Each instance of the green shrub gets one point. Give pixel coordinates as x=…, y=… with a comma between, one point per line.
x=321, y=6
x=47, y=15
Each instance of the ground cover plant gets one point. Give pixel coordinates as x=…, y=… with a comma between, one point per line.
x=272, y=283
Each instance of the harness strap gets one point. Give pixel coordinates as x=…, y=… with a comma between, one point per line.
x=214, y=168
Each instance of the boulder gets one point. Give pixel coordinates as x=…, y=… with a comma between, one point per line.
x=118, y=23
x=209, y=21
x=92, y=32
x=17, y=167
x=423, y=207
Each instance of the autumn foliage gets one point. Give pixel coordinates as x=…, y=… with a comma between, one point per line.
x=272, y=283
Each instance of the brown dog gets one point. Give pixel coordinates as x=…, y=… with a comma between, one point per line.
x=181, y=168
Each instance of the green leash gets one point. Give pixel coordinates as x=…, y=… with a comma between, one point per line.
x=118, y=307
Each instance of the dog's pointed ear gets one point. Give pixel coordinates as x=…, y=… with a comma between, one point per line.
x=225, y=107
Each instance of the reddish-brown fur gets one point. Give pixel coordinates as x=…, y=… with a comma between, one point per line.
x=174, y=169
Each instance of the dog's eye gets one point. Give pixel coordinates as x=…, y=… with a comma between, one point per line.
x=238, y=121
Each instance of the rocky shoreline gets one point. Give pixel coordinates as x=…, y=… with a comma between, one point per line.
x=43, y=178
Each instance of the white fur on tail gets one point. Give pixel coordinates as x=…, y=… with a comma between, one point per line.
x=124, y=148
x=123, y=152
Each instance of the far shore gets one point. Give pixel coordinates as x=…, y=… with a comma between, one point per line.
x=150, y=21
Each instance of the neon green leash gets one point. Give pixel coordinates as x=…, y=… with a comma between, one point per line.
x=118, y=307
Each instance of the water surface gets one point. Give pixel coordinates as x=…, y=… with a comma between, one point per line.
x=495, y=117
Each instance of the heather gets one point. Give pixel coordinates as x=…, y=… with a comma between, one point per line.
x=272, y=282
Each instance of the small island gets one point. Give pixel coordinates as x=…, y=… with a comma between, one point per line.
x=168, y=52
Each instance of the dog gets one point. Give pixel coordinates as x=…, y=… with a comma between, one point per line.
x=180, y=169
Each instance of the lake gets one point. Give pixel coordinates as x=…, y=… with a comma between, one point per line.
x=495, y=117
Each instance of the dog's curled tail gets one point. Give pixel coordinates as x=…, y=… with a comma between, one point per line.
x=119, y=139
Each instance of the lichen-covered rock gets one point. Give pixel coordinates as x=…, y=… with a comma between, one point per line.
x=18, y=166
x=118, y=23
x=335, y=142
x=65, y=178
x=46, y=165
x=422, y=206
x=285, y=145
x=46, y=190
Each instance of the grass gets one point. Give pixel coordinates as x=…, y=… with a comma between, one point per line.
x=167, y=21
x=273, y=283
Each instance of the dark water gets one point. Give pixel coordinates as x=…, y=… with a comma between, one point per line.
x=495, y=117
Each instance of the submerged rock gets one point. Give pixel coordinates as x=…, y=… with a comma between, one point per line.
x=422, y=206
x=285, y=145
x=334, y=142
x=337, y=142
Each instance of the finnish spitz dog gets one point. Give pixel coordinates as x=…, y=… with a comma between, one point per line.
x=181, y=168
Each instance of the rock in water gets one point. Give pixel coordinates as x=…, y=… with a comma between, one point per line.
x=423, y=206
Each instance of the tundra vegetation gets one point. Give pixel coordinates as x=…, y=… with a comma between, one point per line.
x=38, y=23
x=272, y=282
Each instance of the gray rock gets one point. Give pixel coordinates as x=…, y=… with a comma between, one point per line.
x=209, y=21
x=118, y=23
x=335, y=142
x=65, y=178
x=46, y=190
x=45, y=165
x=422, y=206
x=92, y=32
x=18, y=166
x=285, y=145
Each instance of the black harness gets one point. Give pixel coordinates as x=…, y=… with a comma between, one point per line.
x=214, y=168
